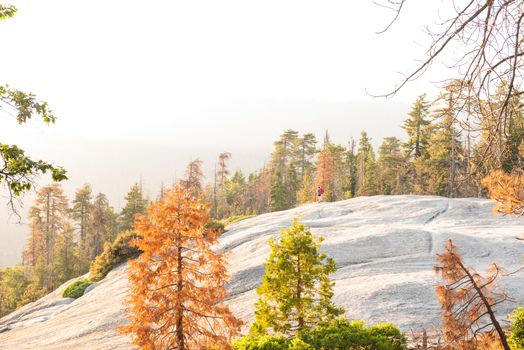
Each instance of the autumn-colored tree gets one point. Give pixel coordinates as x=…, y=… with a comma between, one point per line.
x=468, y=302
x=507, y=190
x=325, y=171
x=296, y=291
x=177, y=283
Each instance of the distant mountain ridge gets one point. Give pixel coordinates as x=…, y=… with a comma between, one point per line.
x=384, y=248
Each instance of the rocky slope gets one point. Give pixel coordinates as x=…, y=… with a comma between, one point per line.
x=384, y=247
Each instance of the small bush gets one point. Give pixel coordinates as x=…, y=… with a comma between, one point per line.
x=336, y=335
x=264, y=342
x=76, y=289
x=233, y=219
x=215, y=225
x=342, y=334
x=116, y=253
x=516, y=338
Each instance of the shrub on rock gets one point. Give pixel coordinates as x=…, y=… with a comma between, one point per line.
x=76, y=289
x=116, y=253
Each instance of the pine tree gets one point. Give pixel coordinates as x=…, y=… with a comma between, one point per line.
x=306, y=150
x=366, y=167
x=443, y=163
x=279, y=195
x=417, y=128
x=102, y=227
x=49, y=218
x=81, y=212
x=306, y=193
x=284, y=180
x=296, y=291
x=34, y=250
x=177, y=283
x=51, y=210
x=352, y=171
x=66, y=256
x=135, y=204
x=390, y=167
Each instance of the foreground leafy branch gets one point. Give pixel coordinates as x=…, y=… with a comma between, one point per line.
x=18, y=171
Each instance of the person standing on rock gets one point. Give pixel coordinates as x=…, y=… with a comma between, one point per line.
x=320, y=192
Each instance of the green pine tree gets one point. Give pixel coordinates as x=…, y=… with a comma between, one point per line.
x=296, y=291
x=135, y=204
x=66, y=256
x=443, y=163
x=81, y=212
x=279, y=194
x=391, y=164
x=366, y=167
x=417, y=128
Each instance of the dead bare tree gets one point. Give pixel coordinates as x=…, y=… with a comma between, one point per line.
x=194, y=175
x=482, y=41
x=468, y=302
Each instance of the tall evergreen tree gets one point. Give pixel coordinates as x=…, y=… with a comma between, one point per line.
x=306, y=150
x=52, y=209
x=135, y=204
x=279, y=194
x=34, y=250
x=352, y=171
x=391, y=164
x=102, y=226
x=66, y=262
x=306, y=192
x=444, y=164
x=49, y=218
x=81, y=212
x=296, y=291
x=284, y=180
x=417, y=128
x=366, y=167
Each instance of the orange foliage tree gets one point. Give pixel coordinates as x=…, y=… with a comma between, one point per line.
x=507, y=190
x=468, y=300
x=177, y=283
x=325, y=173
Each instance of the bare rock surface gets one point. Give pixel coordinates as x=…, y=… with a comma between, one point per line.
x=384, y=247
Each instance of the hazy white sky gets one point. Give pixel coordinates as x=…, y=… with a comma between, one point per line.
x=140, y=88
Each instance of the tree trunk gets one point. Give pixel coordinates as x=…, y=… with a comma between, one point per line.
x=496, y=324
